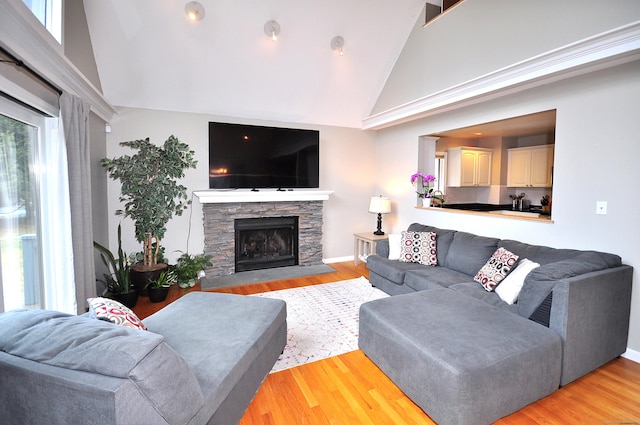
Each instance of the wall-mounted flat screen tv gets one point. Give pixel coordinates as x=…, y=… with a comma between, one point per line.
x=257, y=157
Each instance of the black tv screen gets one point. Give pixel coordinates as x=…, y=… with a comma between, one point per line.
x=256, y=157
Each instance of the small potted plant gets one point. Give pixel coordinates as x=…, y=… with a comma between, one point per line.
x=545, y=203
x=158, y=289
x=118, y=279
x=424, y=189
x=188, y=267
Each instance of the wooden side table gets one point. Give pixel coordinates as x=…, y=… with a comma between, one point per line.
x=364, y=244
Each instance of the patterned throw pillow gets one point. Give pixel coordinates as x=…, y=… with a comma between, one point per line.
x=496, y=269
x=113, y=311
x=419, y=247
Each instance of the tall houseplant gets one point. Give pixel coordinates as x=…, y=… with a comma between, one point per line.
x=150, y=190
x=118, y=279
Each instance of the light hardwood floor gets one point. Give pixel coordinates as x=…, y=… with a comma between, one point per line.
x=349, y=389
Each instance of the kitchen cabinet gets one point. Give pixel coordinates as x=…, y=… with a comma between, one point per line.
x=469, y=167
x=530, y=167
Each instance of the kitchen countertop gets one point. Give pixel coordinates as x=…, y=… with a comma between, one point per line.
x=502, y=210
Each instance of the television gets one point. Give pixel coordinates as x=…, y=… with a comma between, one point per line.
x=257, y=157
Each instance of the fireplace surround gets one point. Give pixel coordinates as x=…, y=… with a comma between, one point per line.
x=221, y=209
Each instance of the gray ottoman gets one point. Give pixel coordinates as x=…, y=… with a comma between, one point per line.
x=461, y=360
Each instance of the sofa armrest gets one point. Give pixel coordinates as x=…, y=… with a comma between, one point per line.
x=591, y=313
x=382, y=248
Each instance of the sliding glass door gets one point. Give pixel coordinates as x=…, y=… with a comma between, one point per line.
x=21, y=285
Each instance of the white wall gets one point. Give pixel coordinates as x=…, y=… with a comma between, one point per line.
x=480, y=36
x=596, y=158
x=347, y=166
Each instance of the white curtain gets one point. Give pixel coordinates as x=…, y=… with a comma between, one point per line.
x=75, y=116
x=55, y=218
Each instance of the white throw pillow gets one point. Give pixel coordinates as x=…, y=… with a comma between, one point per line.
x=394, y=246
x=510, y=287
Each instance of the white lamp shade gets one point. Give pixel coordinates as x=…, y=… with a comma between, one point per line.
x=380, y=205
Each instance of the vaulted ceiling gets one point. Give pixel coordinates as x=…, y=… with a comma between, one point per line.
x=150, y=56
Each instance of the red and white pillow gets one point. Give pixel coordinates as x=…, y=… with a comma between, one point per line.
x=496, y=268
x=113, y=311
x=418, y=247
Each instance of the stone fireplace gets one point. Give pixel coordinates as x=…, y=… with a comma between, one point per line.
x=222, y=209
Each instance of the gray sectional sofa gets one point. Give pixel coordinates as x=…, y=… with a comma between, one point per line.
x=463, y=354
x=201, y=362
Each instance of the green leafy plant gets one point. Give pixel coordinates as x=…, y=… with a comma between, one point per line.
x=150, y=191
x=188, y=266
x=118, y=279
x=165, y=280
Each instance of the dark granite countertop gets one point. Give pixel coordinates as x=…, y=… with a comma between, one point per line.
x=491, y=207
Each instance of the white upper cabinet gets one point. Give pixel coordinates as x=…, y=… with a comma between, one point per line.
x=530, y=167
x=469, y=167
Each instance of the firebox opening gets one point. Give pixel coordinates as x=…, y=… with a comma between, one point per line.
x=265, y=242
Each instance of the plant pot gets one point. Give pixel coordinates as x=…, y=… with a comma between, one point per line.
x=426, y=202
x=129, y=299
x=140, y=277
x=157, y=295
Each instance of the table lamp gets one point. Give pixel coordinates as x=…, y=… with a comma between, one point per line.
x=379, y=205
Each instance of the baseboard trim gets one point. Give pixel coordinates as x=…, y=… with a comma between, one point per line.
x=337, y=259
x=632, y=355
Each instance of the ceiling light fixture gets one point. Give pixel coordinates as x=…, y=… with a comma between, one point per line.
x=194, y=11
x=337, y=43
x=272, y=29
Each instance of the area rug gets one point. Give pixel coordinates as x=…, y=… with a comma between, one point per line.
x=266, y=275
x=322, y=320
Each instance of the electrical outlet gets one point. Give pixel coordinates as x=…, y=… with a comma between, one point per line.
x=601, y=207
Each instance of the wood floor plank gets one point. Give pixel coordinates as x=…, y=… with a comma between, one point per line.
x=350, y=389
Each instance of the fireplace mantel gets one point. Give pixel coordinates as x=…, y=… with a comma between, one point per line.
x=263, y=195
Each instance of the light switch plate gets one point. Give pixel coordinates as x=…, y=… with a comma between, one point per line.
x=601, y=207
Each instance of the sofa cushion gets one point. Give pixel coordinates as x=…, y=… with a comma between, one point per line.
x=418, y=247
x=85, y=344
x=472, y=289
x=540, y=282
x=395, y=246
x=115, y=312
x=495, y=269
x=468, y=253
x=434, y=277
x=537, y=253
x=510, y=287
x=444, y=237
x=392, y=270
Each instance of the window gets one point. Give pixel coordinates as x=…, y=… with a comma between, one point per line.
x=49, y=12
x=20, y=265
x=440, y=172
x=36, y=258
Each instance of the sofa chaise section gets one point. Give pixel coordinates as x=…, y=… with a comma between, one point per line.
x=231, y=342
x=460, y=370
